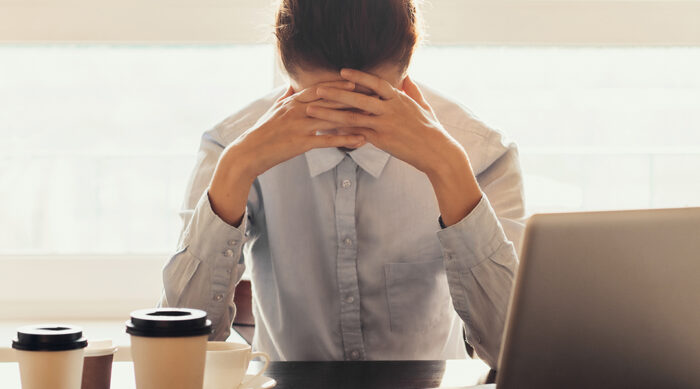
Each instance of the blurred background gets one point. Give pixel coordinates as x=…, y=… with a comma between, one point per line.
x=103, y=102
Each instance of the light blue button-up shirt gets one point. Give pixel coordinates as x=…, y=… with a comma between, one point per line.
x=346, y=255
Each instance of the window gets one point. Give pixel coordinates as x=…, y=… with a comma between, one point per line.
x=103, y=105
x=99, y=141
x=578, y=112
x=98, y=144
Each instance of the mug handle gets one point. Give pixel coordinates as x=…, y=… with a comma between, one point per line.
x=265, y=357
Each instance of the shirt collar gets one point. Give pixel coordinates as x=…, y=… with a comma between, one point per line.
x=368, y=157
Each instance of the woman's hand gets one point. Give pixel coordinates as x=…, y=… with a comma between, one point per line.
x=399, y=122
x=403, y=124
x=282, y=133
x=286, y=131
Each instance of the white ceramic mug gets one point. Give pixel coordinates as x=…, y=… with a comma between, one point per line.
x=227, y=364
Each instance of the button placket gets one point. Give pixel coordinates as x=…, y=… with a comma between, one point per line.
x=348, y=287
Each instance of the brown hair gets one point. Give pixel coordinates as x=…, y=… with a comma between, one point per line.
x=336, y=34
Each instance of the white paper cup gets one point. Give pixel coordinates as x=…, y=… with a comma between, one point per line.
x=50, y=356
x=168, y=346
x=227, y=364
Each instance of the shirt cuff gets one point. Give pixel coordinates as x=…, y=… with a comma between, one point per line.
x=474, y=238
x=210, y=238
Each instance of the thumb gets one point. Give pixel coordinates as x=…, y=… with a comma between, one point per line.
x=369, y=134
x=289, y=92
x=411, y=89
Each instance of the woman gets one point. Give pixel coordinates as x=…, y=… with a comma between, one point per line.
x=377, y=217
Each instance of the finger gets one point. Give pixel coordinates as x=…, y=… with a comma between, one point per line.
x=353, y=99
x=369, y=134
x=312, y=125
x=330, y=104
x=323, y=141
x=342, y=84
x=345, y=118
x=378, y=85
x=309, y=94
x=412, y=90
x=288, y=93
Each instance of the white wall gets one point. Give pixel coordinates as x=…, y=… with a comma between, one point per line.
x=515, y=22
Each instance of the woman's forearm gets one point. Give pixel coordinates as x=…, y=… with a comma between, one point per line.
x=229, y=188
x=455, y=186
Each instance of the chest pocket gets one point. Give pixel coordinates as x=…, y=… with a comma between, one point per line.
x=418, y=295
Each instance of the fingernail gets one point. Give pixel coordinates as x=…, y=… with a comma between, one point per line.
x=320, y=91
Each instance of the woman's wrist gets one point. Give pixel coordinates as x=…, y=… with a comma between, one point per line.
x=239, y=162
x=455, y=186
x=229, y=188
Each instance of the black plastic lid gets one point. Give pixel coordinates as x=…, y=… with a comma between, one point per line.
x=168, y=323
x=49, y=337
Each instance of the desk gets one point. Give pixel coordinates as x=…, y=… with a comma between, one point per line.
x=313, y=375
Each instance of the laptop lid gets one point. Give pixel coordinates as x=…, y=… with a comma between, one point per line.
x=606, y=299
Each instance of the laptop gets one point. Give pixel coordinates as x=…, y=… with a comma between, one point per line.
x=606, y=300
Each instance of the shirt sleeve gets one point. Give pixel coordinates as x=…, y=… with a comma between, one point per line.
x=480, y=256
x=208, y=263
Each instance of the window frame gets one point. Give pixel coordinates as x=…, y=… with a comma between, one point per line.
x=44, y=287
x=39, y=287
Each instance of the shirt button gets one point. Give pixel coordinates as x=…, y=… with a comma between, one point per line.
x=350, y=299
x=218, y=297
x=232, y=242
x=348, y=242
x=346, y=184
x=228, y=253
x=355, y=355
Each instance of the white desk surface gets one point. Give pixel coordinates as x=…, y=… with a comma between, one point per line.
x=122, y=375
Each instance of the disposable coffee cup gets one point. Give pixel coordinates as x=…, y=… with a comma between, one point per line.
x=97, y=365
x=168, y=346
x=50, y=356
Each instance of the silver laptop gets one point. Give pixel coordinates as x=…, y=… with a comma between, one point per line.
x=606, y=300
